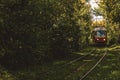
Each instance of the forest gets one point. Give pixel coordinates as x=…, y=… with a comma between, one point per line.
x=37, y=32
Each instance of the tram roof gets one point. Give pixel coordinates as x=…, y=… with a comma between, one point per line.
x=99, y=28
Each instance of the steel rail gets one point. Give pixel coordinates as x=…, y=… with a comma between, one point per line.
x=93, y=66
x=72, y=61
x=82, y=65
x=78, y=58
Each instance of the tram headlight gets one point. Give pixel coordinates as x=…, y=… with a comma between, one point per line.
x=104, y=39
x=97, y=39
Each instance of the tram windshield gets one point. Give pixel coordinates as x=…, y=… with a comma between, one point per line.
x=101, y=33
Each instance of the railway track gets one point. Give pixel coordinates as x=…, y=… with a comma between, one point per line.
x=81, y=66
x=79, y=58
x=93, y=67
x=73, y=61
x=87, y=60
x=82, y=61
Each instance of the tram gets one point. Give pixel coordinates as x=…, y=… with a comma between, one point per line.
x=99, y=35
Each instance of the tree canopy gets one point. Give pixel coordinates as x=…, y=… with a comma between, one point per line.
x=42, y=29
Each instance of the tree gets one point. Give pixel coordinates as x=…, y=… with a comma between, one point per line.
x=35, y=29
x=111, y=13
x=72, y=23
x=19, y=27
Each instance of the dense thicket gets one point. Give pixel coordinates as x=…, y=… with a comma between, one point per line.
x=35, y=29
x=111, y=10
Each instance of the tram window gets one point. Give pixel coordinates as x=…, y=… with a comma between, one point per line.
x=100, y=33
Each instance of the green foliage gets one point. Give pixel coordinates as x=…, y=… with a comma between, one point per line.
x=111, y=10
x=33, y=29
x=5, y=75
x=19, y=27
x=66, y=32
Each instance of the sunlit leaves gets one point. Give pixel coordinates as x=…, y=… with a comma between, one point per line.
x=44, y=26
x=111, y=12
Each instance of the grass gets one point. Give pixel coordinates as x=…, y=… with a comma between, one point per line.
x=108, y=69
x=5, y=75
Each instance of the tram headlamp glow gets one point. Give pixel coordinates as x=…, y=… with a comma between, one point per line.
x=104, y=39
x=97, y=39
